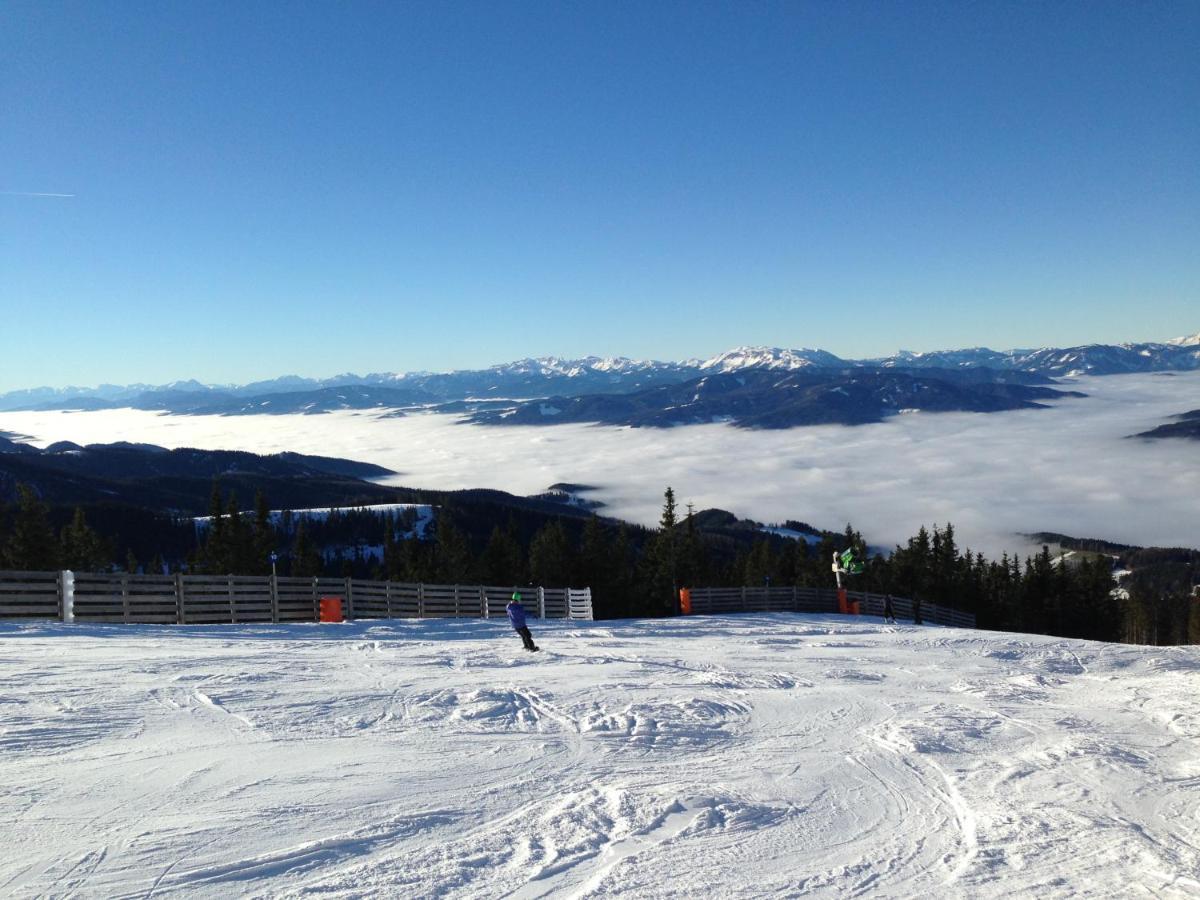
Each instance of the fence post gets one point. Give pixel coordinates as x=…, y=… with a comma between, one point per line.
x=421, y=601
x=483, y=603
x=66, y=591
x=456, y=601
x=349, y=599
x=274, y=599
x=541, y=602
x=179, y=598
x=125, y=597
x=743, y=598
x=232, y=604
x=387, y=598
x=316, y=599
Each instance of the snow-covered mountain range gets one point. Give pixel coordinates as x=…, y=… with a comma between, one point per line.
x=554, y=376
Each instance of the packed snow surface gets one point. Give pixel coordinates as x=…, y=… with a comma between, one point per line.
x=752, y=756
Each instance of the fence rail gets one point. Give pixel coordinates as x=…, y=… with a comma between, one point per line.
x=798, y=599
x=199, y=599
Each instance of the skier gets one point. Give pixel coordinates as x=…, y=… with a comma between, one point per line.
x=516, y=615
x=889, y=614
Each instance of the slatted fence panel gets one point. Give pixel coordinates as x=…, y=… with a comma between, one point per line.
x=717, y=600
x=370, y=599
x=498, y=597
x=151, y=599
x=30, y=595
x=251, y=596
x=406, y=600
x=441, y=601
x=815, y=600
x=555, y=600
x=209, y=599
x=100, y=598
x=296, y=600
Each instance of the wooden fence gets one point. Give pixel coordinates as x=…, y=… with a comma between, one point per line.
x=198, y=599
x=798, y=599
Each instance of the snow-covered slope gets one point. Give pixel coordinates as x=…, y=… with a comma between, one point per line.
x=1192, y=341
x=755, y=756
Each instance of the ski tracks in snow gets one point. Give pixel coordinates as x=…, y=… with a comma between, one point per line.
x=750, y=756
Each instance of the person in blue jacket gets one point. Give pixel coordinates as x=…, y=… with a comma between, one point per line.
x=516, y=615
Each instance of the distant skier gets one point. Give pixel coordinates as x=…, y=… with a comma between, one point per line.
x=516, y=615
x=889, y=614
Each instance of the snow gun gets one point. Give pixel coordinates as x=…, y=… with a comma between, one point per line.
x=846, y=563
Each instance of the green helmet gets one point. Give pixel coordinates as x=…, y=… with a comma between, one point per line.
x=517, y=596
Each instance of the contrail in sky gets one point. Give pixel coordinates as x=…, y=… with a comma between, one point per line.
x=32, y=194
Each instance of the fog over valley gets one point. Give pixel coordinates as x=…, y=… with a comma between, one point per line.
x=1070, y=468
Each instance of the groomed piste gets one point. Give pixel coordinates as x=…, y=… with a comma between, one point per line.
x=738, y=756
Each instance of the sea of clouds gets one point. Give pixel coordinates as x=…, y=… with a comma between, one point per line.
x=1070, y=468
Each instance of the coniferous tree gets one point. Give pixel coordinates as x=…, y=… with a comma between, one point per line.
x=660, y=561
x=691, y=557
x=503, y=559
x=263, y=537
x=212, y=556
x=760, y=565
x=82, y=548
x=391, y=553
x=623, y=599
x=31, y=545
x=454, y=561
x=306, y=560
x=550, y=556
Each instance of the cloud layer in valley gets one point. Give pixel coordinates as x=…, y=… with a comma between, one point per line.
x=1069, y=468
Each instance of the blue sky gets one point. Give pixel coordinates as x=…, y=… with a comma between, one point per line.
x=261, y=189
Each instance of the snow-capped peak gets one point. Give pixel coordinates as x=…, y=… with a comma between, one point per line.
x=1193, y=341
x=769, y=358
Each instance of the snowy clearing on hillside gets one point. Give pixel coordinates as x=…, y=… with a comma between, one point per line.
x=422, y=513
x=1069, y=468
x=750, y=756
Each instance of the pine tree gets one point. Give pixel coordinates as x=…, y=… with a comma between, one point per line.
x=32, y=545
x=503, y=559
x=391, y=555
x=691, y=563
x=239, y=542
x=660, y=561
x=550, y=556
x=82, y=548
x=213, y=556
x=263, y=537
x=760, y=565
x=306, y=561
x=622, y=601
x=454, y=560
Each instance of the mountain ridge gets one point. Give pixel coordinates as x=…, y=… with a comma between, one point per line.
x=552, y=376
